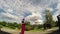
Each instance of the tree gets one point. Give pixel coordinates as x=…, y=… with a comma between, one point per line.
x=19, y=26
x=27, y=23
x=48, y=18
x=4, y=23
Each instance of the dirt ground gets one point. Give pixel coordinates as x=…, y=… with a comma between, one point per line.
x=27, y=32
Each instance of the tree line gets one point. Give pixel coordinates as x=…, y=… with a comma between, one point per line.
x=12, y=25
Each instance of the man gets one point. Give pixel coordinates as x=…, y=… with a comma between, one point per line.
x=58, y=21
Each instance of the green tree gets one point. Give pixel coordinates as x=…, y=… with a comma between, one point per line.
x=48, y=17
x=18, y=26
x=3, y=23
x=27, y=23
x=39, y=26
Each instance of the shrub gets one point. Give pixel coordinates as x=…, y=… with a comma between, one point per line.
x=33, y=27
x=0, y=27
x=30, y=28
x=40, y=26
x=12, y=27
x=27, y=28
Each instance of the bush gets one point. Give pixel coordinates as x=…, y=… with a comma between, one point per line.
x=33, y=27
x=19, y=26
x=12, y=27
x=0, y=26
x=30, y=28
x=27, y=28
x=40, y=26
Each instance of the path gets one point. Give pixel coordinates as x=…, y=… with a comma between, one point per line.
x=29, y=32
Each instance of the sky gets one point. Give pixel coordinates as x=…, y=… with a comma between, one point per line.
x=16, y=10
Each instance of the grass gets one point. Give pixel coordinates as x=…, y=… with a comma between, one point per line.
x=41, y=30
x=10, y=28
x=36, y=30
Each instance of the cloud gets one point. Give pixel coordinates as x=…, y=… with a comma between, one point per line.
x=40, y=21
x=51, y=9
x=58, y=6
x=34, y=17
x=55, y=15
x=15, y=10
x=9, y=10
x=57, y=12
x=11, y=16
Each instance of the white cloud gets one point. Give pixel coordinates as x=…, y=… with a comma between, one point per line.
x=20, y=7
x=9, y=10
x=11, y=16
x=51, y=9
x=55, y=15
x=58, y=6
x=57, y=12
x=34, y=17
x=40, y=21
